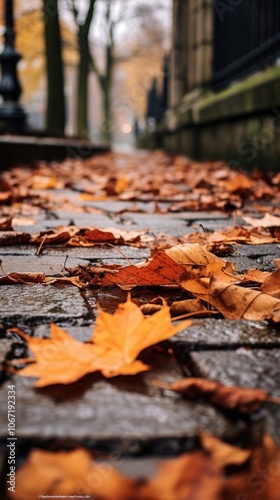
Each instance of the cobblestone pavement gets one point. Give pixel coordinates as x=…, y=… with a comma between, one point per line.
x=129, y=417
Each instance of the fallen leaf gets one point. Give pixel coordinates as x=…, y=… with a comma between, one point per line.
x=239, y=182
x=221, y=453
x=255, y=275
x=196, y=258
x=242, y=399
x=67, y=474
x=161, y=270
x=60, y=359
x=261, y=481
x=241, y=235
x=126, y=333
x=89, y=236
x=197, y=475
x=233, y=301
x=6, y=224
x=13, y=238
x=267, y=221
x=271, y=284
x=117, y=340
x=169, y=267
x=191, y=476
x=177, y=308
x=27, y=278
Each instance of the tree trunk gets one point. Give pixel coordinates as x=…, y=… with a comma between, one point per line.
x=55, y=115
x=106, y=88
x=83, y=73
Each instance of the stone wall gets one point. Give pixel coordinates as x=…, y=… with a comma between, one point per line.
x=240, y=124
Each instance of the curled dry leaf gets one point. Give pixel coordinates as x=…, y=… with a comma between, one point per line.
x=230, y=398
x=117, y=340
x=27, y=278
x=268, y=220
x=89, y=236
x=6, y=224
x=271, y=284
x=255, y=275
x=198, y=260
x=177, y=308
x=223, y=454
x=13, y=238
x=233, y=301
x=38, y=278
x=241, y=235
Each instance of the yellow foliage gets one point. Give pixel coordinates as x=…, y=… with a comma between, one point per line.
x=29, y=27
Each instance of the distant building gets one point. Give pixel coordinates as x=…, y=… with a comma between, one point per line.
x=224, y=99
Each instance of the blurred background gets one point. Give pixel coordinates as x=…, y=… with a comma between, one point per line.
x=112, y=53
x=199, y=77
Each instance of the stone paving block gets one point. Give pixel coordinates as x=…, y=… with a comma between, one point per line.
x=110, y=298
x=199, y=216
x=159, y=223
x=41, y=303
x=43, y=225
x=125, y=415
x=5, y=347
x=38, y=264
x=259, y=250
x=99, y=254
x=83, y=333
x=18, y=250
x=205, y=334
x=244, y=263
x=255, y=368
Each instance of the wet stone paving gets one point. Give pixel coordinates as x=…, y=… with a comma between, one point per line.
x=130, y=416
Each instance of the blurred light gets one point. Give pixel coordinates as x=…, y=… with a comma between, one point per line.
x=127, y=128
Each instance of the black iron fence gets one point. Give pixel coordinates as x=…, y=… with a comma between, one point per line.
x=246, y=38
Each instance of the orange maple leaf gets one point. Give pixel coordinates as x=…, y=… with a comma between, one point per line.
x=117, y=340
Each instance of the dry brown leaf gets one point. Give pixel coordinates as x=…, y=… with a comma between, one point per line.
x=27, y=278
x=89, y=236
x=233, y=301
x=261, y=481
x=69, y=473
x=35, y=278
x=255, y=275
x=242, y=399
x=6, y=224
x=164, y=240
x=241, y=235
x=271, y=284
x=268, y=220
x=221, y=453
x=161, y=270
x=14, y=238
x=168, y=267
x=239, y=182
x=117, y=340
x=191, y=476
x=198, y=260
x=177, y=308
